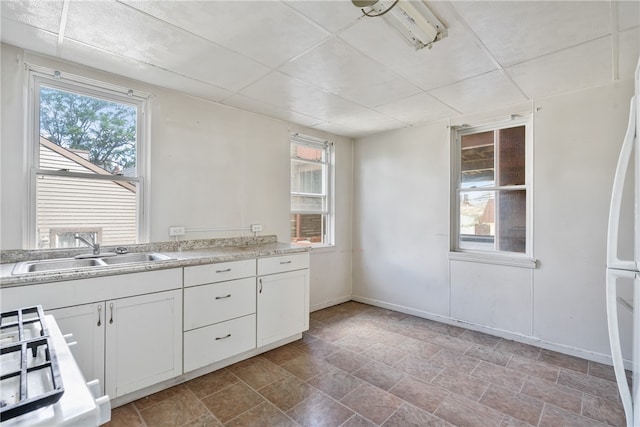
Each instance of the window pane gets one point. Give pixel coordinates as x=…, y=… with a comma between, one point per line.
x=106, y=209
x=87, y=134
x=306, y=177
x=512, y=220
x=510, y=142
x=307, y=228
x=308, y=203
x=305, y=152
x=477, y=160
x=477, y=220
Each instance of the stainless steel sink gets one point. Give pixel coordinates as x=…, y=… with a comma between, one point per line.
x=141, y=257
x=84, y=263
x=56, y=264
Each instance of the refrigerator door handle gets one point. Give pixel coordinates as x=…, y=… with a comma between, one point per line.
x=616, y=197
x=614, y=340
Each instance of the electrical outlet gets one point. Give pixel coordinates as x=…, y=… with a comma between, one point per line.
x=176, y=231
x=256, y=228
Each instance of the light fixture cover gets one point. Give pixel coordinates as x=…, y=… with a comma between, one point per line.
x=412, y=19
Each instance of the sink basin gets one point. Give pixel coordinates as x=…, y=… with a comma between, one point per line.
x=54, y=265
x=82, y=263
x=141, y=257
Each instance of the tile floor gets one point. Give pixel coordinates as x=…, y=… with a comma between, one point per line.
x=360, y=365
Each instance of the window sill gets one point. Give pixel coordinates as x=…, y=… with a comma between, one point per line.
x=497, y=259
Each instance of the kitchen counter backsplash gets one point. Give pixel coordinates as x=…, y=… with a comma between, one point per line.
x=19, y=255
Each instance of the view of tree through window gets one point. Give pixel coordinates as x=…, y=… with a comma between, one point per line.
x=104, y=129
x=82, y=140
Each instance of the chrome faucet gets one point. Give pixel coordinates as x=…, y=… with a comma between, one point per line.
x=94, y=246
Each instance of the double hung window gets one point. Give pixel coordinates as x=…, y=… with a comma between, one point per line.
x=87, y=162
x=491, y=212
x=311, y=196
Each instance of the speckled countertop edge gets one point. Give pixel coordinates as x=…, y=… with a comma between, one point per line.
x=191, y=253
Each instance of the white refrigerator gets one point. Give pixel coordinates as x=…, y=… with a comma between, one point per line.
x=623, y=264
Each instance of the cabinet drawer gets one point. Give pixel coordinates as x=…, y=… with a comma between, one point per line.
x=217, y=342
x=218, y=302
x=283, y=263
x=212, y=273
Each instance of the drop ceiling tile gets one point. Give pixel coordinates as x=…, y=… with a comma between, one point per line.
x=268, y=31
x=337, y=130
x=452, y=59
x=628, y=14
x=579, y=67
x=366, y=122
x=515, y=31
x=629, y=52
x=27, y=37
x=417, y=109
x=42, y=14
x=380, y=93
x=292, y=94
x=480, y=93
x=339, y=68
x=248, y=104
x=135, y=35
x=332, y=15
x=112, y=63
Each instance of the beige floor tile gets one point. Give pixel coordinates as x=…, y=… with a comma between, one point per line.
x=287, y=393
x=564, y=361
x=232, y=401
x=589, y=384
x=420, y=394
x=283, y=354
x=465, y=385
x=336, y=383
x=480, y=338
x=452, y=359
x=519, y=348
x=261, y=374
x=305, y=367
x=419, y=368
x=358, y=421
x=347, y=360
x=320, y=410
x=425, y=350
x=263, y=415
x=355, y=343
x=385, y=353
x=516, y=405
x=380, y=375
x=603, y=410
x=211, y=383
x=460, y=411
x=488, y=354
x=175, y=411
x=500, y=376
x=156, y=398
x=206, y=420
x=534, y=368
x=372, y=403
x=125, y=416
x=555, y=394
x=410, y=416
x=556, y=417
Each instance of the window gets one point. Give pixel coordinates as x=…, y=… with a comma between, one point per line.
x=88, y=164
x=311, y=202
x=491, y=208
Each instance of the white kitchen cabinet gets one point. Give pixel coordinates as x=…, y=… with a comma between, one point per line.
x=219, y=313
x=143, y=341
x=128, y=327
x=86, y=323
x=282, y=297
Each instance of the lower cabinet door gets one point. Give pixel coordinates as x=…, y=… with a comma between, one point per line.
x=86, y=323
x=143, y=341
x=282, y=306
x=213, y=343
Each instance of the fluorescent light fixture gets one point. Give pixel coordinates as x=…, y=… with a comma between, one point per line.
x=412, y=19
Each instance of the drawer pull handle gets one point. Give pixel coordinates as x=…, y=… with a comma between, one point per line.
x=260, y=280
x=226, y=296
x=111, y=307
x=223, y=338
x=285, y=262
x=100, y=315
x=223, y=271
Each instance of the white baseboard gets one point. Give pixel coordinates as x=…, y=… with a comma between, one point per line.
x=560, y=348
x=331, y=303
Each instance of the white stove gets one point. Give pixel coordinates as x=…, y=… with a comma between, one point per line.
x=40, y=382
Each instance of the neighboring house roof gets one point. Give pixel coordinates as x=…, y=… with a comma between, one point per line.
x=82, y=162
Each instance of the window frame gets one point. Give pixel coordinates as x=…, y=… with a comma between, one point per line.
x=516, y=259
x=328, y=239
x=37, y=76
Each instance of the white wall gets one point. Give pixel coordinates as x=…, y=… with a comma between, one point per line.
x=401, y=227
x=211, y=166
